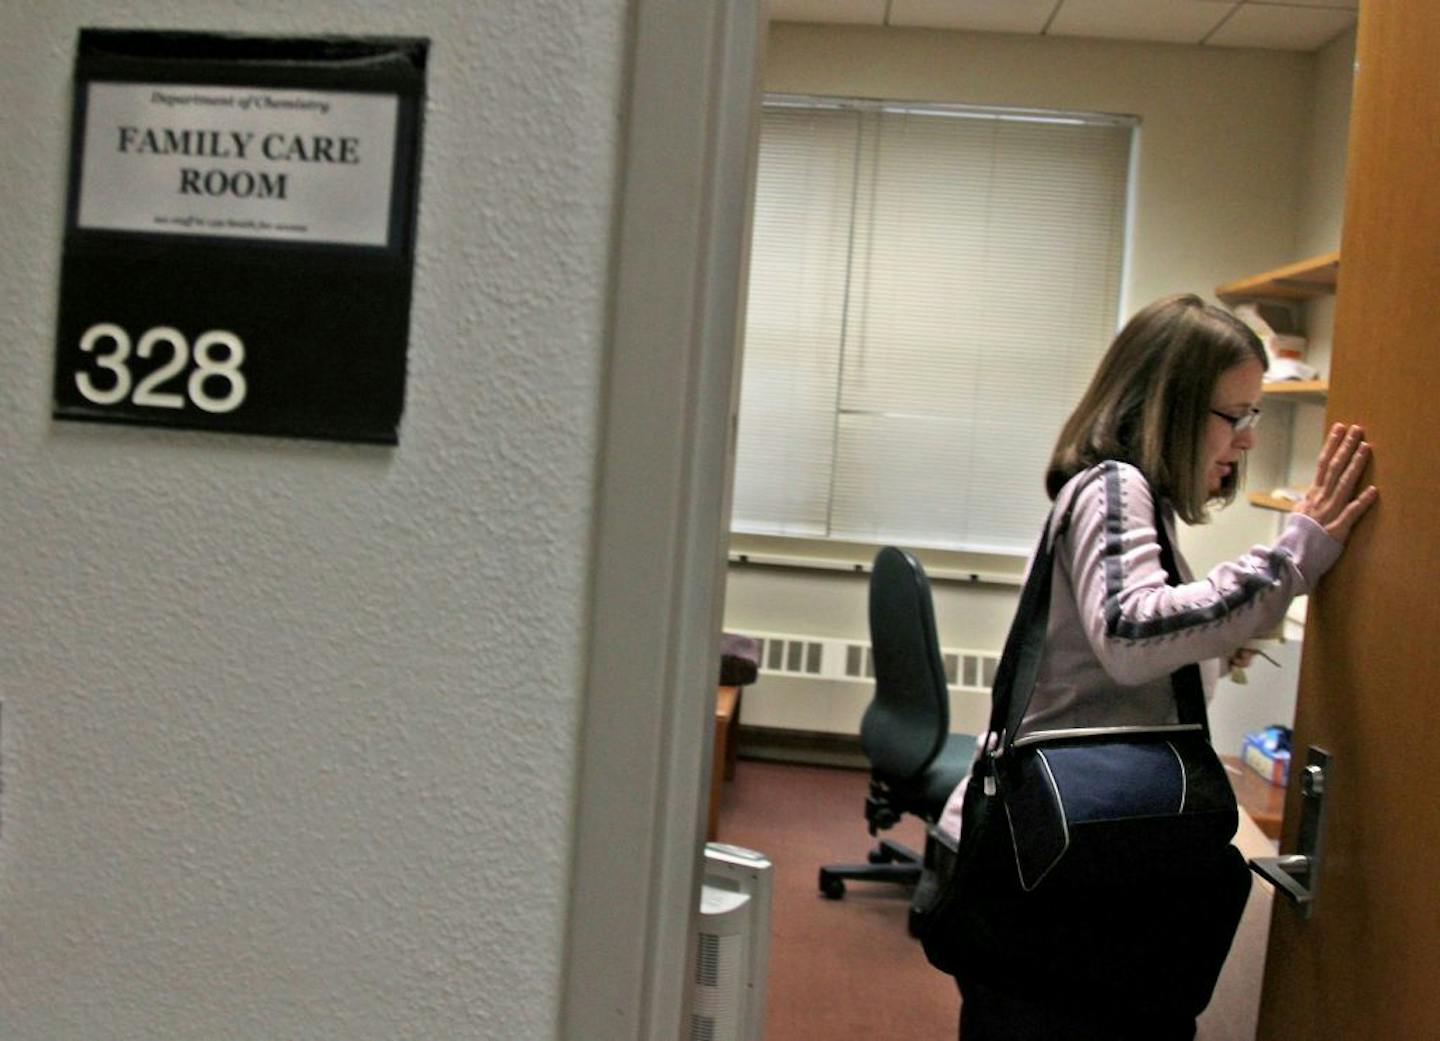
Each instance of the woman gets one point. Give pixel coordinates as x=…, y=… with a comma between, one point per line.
x=1161, y=433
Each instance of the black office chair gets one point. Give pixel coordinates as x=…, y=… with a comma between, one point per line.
x=915, y=762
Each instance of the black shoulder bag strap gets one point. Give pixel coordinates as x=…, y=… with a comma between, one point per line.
x=1025, y=646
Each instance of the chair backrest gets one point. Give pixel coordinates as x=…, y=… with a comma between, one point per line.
x=906, y=724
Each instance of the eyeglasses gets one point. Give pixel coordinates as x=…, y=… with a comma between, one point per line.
x=1239, y=424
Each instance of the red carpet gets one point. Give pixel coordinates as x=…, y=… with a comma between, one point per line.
x=840, y=970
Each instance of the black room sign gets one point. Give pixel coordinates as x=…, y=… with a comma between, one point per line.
x=240, y=236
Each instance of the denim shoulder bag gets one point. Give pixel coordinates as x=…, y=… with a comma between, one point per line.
x=1101, y=803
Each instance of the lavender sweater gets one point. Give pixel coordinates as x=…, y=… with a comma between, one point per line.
x=1117, y=630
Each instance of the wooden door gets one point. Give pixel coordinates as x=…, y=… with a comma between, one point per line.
x=1366, y=964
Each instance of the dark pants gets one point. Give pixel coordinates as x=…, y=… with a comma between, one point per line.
x=987, y=1014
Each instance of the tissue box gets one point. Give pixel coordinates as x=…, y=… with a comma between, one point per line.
x=1262, y=753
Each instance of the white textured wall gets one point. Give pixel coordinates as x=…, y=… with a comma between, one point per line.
x=289, y=728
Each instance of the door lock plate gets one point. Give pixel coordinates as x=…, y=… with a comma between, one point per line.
x=1297, y=874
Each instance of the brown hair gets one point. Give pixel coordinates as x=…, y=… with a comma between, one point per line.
x=1149, y=402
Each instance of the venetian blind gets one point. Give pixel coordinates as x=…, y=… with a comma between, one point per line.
x=930, y=290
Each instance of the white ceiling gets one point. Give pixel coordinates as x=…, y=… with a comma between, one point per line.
x=1292, y=25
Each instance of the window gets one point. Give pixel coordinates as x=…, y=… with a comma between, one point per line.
x=930, y=290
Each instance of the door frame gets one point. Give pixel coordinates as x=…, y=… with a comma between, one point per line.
x=661, y=515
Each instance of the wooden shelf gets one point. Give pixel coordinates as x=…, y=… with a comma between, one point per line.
x=1270, y=502
x=1303, y=280
x=1264, y=802
x=1309, y=392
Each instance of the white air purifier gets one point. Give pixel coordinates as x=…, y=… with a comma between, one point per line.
x=732, y=946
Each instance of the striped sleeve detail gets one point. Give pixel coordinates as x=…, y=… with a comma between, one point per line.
x=1117, y=625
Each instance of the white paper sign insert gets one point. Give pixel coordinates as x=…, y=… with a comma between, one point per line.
x=241, y=162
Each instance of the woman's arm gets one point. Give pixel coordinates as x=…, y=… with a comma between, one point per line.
x=1141, y=628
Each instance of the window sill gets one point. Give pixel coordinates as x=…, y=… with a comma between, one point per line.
x=856, y=557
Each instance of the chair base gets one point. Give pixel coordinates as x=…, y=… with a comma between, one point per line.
x=894, y=863
x=889, y=862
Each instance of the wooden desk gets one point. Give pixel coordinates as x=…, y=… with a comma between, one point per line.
x=1264, y=802
x=727, y=701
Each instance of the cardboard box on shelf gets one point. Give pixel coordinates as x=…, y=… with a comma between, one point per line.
x=1267, y=752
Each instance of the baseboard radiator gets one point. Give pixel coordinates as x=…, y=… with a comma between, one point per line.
x=827, y=681
x=834, y=658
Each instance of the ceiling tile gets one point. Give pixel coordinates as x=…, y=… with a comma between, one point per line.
x=985, y=16
x=1170, y=21
x=1289, y=28
x=853, y=12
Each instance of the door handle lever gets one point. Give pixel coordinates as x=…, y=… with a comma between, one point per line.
x=1290, y=874
x=1296, y=874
